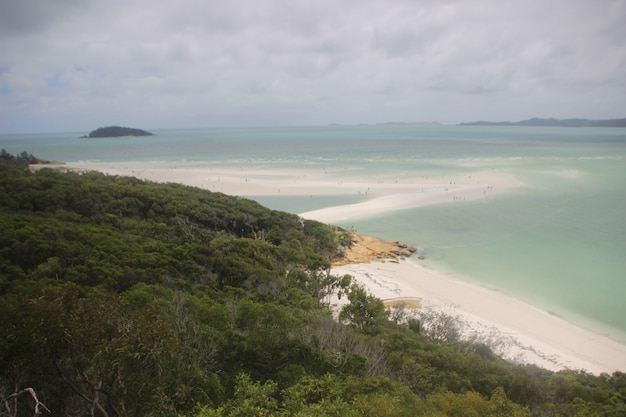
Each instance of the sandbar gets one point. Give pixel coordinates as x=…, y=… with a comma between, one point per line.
x=380, y=195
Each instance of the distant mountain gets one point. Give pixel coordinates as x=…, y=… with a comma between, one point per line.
x=554, y=123
x=116, y=132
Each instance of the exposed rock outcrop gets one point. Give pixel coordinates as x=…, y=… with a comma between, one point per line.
x=364, y=249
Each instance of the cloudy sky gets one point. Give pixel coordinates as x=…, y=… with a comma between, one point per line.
x=74, y=65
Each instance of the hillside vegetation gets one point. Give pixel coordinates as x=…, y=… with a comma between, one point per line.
x=120, y=297
x=117, y=131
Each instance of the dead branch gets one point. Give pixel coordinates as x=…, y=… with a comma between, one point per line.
x=38, y=404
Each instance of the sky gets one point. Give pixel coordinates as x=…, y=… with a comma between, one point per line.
x=75, y=65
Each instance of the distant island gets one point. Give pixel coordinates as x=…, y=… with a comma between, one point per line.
x=116, y=132
x=425, y=124
x=554, y=123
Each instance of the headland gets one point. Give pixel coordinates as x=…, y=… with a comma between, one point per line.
x=389, y=271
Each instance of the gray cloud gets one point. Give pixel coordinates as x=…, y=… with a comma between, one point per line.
x=24, y=17
x=73, y=65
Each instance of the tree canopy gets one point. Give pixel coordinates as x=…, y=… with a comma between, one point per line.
x=121, y=297
x=117, y=131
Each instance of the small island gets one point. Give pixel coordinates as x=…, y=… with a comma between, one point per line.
x=116, y=132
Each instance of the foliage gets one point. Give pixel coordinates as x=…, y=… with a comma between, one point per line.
x=122, y=297
x=22, y=160
x=364, y=310
x=329, y=395
x=116, y=131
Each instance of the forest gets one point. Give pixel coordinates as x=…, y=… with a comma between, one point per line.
x=122, y=297
x=116, y=131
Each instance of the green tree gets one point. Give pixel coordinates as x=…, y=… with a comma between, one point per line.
x=249, y=399
x=363, y=310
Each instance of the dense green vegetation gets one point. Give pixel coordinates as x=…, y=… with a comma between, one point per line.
x=120, y=297
x=117, y=131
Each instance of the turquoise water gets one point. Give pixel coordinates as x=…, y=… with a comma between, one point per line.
x=559, y=243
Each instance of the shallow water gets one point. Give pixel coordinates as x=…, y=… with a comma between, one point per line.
x=558, y=243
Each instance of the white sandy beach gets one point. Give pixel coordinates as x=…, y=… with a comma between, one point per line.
x=534, y=336
x=381, y=196
x=541, y=338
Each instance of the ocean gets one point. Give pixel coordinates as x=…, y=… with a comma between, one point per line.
x=558, y=243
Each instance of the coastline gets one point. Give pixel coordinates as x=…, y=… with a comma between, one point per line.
x=528, y=335
x=541, y=338
x=382, y=195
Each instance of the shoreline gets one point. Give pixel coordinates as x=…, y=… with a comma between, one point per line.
x=382, y=195
x=529, y=335
x=541, y=338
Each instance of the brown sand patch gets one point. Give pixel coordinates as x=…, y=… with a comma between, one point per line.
x=403, y=302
